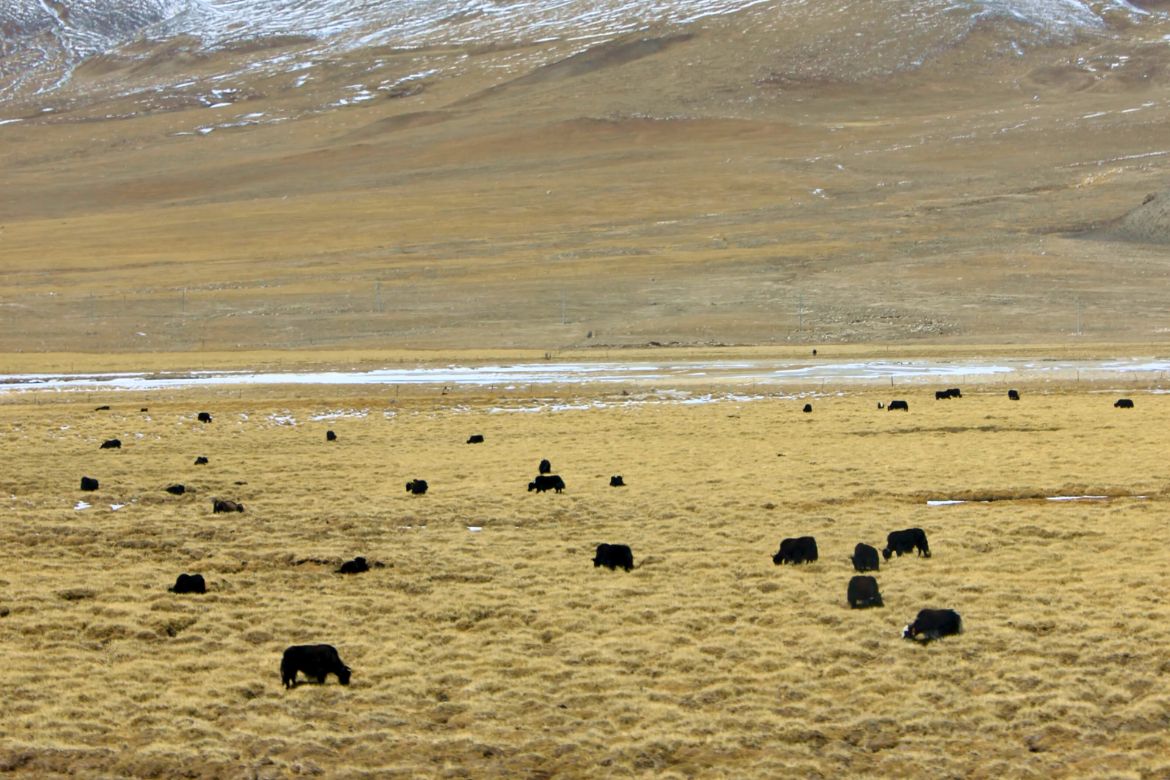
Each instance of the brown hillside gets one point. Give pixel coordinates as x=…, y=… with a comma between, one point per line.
x=738, y=180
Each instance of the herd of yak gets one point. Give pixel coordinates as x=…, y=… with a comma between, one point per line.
x=318, y=661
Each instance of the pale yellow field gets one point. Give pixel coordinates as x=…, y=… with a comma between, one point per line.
x=504, y=653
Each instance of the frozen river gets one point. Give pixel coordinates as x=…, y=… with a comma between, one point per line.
x=661, y=374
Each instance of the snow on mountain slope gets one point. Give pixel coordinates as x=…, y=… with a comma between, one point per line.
x=44, y=40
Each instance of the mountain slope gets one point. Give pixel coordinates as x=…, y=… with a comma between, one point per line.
x=785, y=172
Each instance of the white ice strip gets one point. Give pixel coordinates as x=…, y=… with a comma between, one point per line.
x=474, y=528
x=341, y=414
x=954, y=501
x=667, y=373
x=81, y=505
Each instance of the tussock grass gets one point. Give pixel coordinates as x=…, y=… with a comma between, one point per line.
x=504, y=653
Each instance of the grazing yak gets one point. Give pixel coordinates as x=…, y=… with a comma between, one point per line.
x=1123, y=403
x=176, y=490
x=802, y=549
x=356, y=566
x=863, y=592
x=545, y=467
x=932, y=624
x=865, y=557
x=904, y=541
x=201, y=461
x=807, y=408
x=896, y=405
x=1013, y=395
x=111, y=444
x=223, y=505
x=330, y=436
x=315, y=661
x=617, y=481
x=189, y=583
x=950, y=392
x=89, y=483
x=204, y=417
x=475, y=438
x=416, y=487
x=614, y=556
x=546, y=482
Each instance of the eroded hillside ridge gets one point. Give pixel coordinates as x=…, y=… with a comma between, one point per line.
x=43, y=41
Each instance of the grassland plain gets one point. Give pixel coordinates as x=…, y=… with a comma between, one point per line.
x=502, y=652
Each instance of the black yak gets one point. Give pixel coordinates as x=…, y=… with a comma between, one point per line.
x=865, y=557
x=802, y=549
x=863, y=592
x=356, y=566
x=932, y=624
x=315, y=661
x=189, y=583
x=614, y=556
x=546, y=482
x=904, y=541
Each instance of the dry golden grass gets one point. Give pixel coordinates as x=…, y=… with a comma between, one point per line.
x=504, y=653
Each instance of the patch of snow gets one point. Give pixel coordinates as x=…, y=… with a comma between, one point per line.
x=339, y=414
x=669, y=377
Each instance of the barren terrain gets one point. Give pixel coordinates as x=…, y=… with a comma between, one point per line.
x=756, y=178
